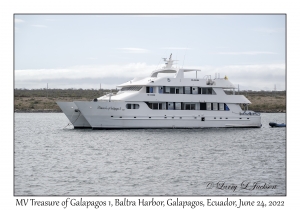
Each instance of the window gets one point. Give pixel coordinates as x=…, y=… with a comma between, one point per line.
x=194, y=90
x=187, y=90
x=221, y=106
x=172, y=90
x=167, y=90
x=202, y=106
x=226, y=108
x=207, y=91
x=160, y=89
x=170, y=106
x=208, y=106
x=202, y=118
x=132, y=106
x=178, y=106
x=188, y=107
x=149, y=89
x=215, y=106
x=193, y=107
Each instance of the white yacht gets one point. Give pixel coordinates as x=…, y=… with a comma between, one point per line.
x=165, y=102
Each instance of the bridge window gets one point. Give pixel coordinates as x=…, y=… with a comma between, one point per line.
x=149, y=89
x=207, y=91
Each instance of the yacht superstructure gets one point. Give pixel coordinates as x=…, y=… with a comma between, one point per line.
x=165, y=102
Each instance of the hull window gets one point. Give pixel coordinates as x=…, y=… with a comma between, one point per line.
x=132, y=106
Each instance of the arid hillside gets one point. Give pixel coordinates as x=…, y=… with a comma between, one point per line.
x=41, y=100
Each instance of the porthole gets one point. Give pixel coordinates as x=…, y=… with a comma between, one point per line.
x=111, y=116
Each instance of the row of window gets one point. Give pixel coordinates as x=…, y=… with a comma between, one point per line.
x=179, y=90
x=187, y=106
x=132, y=106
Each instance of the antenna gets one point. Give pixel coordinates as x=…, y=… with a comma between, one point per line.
x=184, y=57
x=183, y=60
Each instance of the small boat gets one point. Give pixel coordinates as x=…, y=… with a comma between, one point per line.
x=272, y=124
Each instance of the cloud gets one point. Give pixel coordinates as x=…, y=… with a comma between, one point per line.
x=249, y=77
x=246, y=53
x=268, y=30
x=39, y=26
x=176, y=48
x=49, y=19
x=17, y=20
x=134, y=50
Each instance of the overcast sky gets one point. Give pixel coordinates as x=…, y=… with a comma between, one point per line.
x=82, y=51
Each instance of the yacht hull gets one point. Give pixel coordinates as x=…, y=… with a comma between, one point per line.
x=73, y=114
x=115, y=115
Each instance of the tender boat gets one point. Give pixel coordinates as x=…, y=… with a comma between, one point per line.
x=272, y=124
x=165, y=102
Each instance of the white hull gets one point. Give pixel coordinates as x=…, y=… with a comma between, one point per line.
x=115, y=115
x=76, y=118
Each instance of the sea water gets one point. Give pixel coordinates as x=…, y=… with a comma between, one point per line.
x=50, y=159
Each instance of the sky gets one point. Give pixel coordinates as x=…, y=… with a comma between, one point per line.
x=84, y=51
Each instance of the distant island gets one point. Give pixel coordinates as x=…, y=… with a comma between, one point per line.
x=43, y=100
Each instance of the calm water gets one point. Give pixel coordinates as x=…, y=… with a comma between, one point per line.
x=51, y=160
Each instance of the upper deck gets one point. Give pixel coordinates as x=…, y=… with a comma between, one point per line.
x=178, y=79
